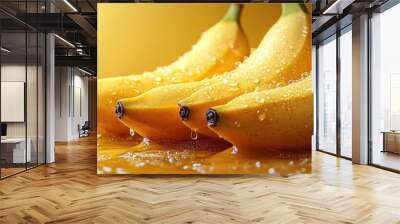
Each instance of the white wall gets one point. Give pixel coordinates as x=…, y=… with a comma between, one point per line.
x=62, y=82
x=70, y=84
x=13, y=73
x=80, y=112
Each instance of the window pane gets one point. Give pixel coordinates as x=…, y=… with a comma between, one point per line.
x=41, y=99
x=346, y=94
x=327, y=96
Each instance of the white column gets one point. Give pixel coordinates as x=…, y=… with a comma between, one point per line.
x=50, y=92
x=50, y=99
x=360, y=90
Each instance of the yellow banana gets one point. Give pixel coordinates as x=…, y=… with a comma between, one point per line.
x=218, y=50
x=282, y=56
x=154, y=114
x=277, y=119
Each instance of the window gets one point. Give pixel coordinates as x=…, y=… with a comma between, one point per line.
x=385, y=89
x=327, y=95
x=346, y=75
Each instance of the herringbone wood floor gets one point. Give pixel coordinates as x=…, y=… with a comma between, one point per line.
x=69, y=191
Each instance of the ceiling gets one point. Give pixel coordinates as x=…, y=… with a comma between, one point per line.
x=76, y=22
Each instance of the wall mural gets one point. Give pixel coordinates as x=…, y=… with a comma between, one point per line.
x=240, y=100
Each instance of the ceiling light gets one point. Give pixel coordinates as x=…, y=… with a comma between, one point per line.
x=5, y=50
x=70, y=5
x=337, y=7
x=65, y=41
x=84, y=71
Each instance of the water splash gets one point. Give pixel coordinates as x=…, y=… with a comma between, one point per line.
x=304, y=75
x=140, y=164
x=146, y=141
x=196, y=166
x=131, y=132
x=120, y=171
x=271, y=171
x=107, y=169
x=193, y=135
x=235, y=150
x=260, y=100
x=237, y=124
x=261, y=116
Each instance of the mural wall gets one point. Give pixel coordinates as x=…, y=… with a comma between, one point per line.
x=204, y=88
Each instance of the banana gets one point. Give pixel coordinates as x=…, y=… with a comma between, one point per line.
x=217, y=51
x=277, y=119
x=282, y=56
x=153, y=114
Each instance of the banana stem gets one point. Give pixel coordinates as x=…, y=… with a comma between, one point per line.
x=288, y=8
x=233, y=13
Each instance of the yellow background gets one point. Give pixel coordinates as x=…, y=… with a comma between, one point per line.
x=138, y=37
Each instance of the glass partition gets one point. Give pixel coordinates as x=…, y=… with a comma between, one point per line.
x=14, y=155
x=22, y=77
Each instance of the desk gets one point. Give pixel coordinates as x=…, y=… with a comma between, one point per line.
x=13, y=150
x=391, y=141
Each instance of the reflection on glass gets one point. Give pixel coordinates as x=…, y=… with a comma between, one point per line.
x=346, y=94
x=22, y=91
x=385, y=114
x=14, y=153
x=327, y=96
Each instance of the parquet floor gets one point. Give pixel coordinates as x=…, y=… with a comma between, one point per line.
x=69, y=191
